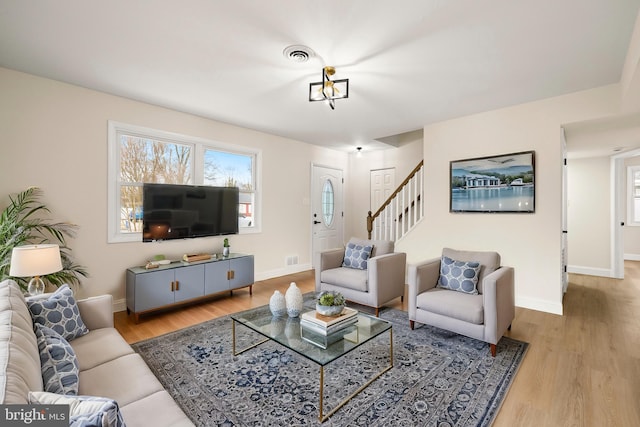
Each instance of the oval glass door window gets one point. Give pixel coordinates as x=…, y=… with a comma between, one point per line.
x=327, y=203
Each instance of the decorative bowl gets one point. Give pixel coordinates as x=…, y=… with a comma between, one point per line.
x=329, y=310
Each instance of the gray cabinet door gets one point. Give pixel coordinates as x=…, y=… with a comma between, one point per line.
x=215, y=277
x=242, y=272
x=189, y=282
x=153, y=290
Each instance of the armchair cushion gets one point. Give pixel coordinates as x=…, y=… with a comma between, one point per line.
x=356, y=256
x=459, y=276
x=350, y=278
x=468, y=308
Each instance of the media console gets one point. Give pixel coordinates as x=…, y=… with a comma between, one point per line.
x=180, y=282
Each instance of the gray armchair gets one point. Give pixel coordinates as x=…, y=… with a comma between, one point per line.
x=382, y=281
x=485, y=316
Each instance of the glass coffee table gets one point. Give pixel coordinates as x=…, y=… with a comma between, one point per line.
x=287, y=332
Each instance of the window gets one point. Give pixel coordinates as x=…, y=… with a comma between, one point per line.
x=327, y=203
x=633, y=191
x=139, y=155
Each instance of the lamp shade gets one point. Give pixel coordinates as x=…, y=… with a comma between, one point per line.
x=35, y=260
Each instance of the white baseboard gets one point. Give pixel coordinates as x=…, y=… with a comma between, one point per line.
x=631, y=257
x=539, y=305
x=291, y=269
x=590, y=271
x=119, y=305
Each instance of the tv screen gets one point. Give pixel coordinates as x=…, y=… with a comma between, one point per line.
x=187, y=211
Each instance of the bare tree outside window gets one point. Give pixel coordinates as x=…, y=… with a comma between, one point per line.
x=144, y=160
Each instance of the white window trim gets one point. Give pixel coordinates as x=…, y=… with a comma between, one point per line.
x=631, y=171
x=200, y=144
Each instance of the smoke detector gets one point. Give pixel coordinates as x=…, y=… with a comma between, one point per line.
x=298, y=53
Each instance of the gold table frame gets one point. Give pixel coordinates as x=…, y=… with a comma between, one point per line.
x=321, y=417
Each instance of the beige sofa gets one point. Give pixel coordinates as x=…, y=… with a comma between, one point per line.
x=108, y=365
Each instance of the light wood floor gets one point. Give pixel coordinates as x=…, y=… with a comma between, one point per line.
x=582, y=368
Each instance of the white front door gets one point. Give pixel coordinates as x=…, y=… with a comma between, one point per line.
x=326, y=209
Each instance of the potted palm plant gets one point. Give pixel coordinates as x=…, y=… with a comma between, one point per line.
x=24, y=222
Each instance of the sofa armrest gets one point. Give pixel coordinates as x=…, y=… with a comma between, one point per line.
x=97, y=312
x=421, y=277
x=387, y=275
x=331, y=258
x=499, y=302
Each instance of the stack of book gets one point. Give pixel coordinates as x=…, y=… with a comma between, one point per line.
x=323, y=331
x=327, y=325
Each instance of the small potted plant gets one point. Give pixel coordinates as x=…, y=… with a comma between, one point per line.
x=330, y=303
x=225, y=247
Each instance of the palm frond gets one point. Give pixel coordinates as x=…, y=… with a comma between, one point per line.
x=24, y=221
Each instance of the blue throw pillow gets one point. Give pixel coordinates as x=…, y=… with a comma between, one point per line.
x=60, y=369
x=59, y=312
x=461, y=276
x=356, y=256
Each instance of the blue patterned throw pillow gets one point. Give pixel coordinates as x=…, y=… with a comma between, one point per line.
x=59, y=312
x=461, y=276
x=84, y=411
x=356, y=256
x=58, y=361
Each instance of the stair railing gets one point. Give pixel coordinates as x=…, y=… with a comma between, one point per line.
x=401, y=211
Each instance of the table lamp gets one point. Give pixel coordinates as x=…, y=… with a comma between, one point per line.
x=35, y=261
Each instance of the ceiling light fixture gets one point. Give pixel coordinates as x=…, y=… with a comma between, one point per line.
x=329, y=90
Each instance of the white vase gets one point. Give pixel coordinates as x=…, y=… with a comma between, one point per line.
x=277, y=304
x=225, y=251
x=293, y=298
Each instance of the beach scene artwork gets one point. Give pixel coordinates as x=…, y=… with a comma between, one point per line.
x=503, y=183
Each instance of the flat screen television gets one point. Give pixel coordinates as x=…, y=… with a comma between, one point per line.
x=186, y=211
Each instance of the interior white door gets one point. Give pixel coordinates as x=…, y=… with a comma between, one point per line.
x=327, y=214
x=383, y=184
x=565, y=202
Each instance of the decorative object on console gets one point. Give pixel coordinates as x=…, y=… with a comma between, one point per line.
x=36, y=261
x=226, y=248
x=330, y=303
x=329, y=90
x=196, y=257
x=293, y=298
x=278, y=304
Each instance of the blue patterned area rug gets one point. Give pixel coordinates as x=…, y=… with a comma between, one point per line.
x=438, y=379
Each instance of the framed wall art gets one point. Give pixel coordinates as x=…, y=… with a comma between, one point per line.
x=493, y=184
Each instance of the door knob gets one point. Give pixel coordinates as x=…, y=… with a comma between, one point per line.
x=316, y=222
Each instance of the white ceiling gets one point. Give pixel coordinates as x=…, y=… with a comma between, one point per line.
x=410, y=63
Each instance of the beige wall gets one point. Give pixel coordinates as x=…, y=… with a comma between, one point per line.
x=54, y=136
x=528, y=242
x=589, y=215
